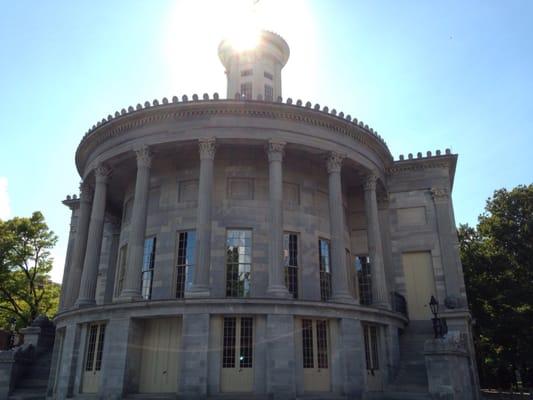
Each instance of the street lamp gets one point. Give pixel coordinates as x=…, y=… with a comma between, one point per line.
x=439, y=325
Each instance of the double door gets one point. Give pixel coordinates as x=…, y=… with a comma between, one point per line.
x=160, y=356
x=315, y=355
x=237, y=373
x=93, y=357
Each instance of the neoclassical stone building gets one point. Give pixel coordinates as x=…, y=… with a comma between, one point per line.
x=254, y=248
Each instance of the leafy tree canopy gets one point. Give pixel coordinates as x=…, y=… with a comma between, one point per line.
x=497, y=258
x=26, y=290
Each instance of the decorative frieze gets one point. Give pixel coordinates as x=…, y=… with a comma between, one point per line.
x=86, y=192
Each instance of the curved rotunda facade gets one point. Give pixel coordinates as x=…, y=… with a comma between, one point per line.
x=251, y=247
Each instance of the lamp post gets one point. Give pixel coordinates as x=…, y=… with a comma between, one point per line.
x=439, y=325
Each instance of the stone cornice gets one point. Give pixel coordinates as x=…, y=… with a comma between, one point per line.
x=448, y=161
x=122, y=123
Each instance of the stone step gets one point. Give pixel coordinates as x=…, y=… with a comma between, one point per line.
x=396, y=395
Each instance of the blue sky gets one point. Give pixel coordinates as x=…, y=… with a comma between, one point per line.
x=426, y=75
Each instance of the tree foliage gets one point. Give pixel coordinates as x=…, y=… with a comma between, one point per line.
x=497, y=258
x=26, y=290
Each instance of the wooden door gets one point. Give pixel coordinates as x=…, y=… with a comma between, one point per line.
x=93, y=358
x=315, y=348
x=420, y=284
x=237, y=355
x=160, y=356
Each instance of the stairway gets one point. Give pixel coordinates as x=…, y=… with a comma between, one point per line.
x=411, y=376
x=33, y=384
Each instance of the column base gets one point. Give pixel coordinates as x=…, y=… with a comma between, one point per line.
x=280, y=292
x=197, y=292
x=128, y=296
x=80, y=303
x=344, y=299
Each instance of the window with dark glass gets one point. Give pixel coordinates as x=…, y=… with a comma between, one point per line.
x=123, y=253
x=268, y=75
x=246, y=90
x=238, y=262
x=290, y=260
x=269, y=93
x=247, y=72
x=95, y=347
x=364, y=276
x=325, y=269
x=371, y=336
x=185, y=262
x=315, y=343
x=237, y=342
x=148, y=268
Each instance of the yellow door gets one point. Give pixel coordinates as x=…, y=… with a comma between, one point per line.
x=160, y=356
x=315, y=348
x=420, y=284
x=237, y=355
x=93, y=358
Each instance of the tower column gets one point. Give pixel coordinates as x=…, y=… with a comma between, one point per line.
x=200, y=285
x=94, y=239
x=132, y=279
x=276, y=273
x=80, y=244
x=375, y=246
x=339, y=275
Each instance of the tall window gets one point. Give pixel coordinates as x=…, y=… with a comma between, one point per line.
x=246, y=72
x=290, y=260
x=269, y=93
x=371, y=334
x=185, y=262
x=364, y=276
x=237, y=349
x=121, y=269
x=325, y=269
x=246, y=90
x=148, y=268
x=238, y=262
x=95, y=347
x=315, y=343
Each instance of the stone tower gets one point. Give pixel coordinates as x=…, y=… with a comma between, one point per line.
x=255, y=73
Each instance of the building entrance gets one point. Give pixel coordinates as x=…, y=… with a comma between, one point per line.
x=315, y=348
x=237, y=355
x=93, y=358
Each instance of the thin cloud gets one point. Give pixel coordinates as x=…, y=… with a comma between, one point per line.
x=5, y=208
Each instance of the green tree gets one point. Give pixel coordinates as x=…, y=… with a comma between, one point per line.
x=497, y=258
x=26, y=290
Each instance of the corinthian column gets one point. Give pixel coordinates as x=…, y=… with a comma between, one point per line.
x=276, y=273
x=131, y=290
x=375, y=246
x=339, y=275
x=80, y=244
x=94, y=239
x=200, y=285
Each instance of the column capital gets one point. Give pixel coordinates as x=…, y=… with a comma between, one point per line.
x=144, y=157
x=207, y=148
x=440, y=194
x=102, y=173
x=370, y=182
x=275, y=150
x=86, y=192
x=334, y=162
